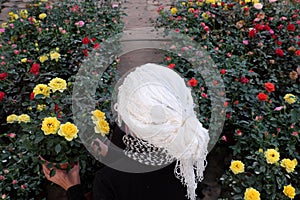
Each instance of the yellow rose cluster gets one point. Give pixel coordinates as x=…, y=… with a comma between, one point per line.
x=56, y=84
x=51, y=125
x=54, y=55
x=15, y=118
x=101, y=125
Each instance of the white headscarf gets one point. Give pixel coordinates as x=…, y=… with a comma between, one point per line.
x=157, y=106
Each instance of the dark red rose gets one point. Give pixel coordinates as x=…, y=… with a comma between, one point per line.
x=193, y=82
x=244, y=80
x=93, y=39
x=56, y=108
x=31, y=96
x=86, y=40
x=35, y=69
x=279, y=52
x=279, y=42
x=246, y=9
x=262, y=96
x=3, y=76
x=2, y=94
x=252, y=33
x=259, y=27
x=85, y=52
x=270, y=87
x=290, y=27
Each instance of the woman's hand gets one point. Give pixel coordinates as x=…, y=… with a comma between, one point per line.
x=99, y=148
x=62, y=178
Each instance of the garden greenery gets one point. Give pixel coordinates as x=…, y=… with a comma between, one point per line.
x=256, y=46
x=41, y=48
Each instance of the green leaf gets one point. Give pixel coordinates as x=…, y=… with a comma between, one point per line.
x=52, y=172
x=57, y=148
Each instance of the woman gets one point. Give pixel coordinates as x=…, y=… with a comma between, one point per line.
x=164, y=139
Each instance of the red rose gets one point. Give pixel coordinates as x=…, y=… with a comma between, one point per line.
x=244, y=80
x=193, y=82
x=279, y=43
x=56, y=108
x=262, y=96
x=31, y=96
x=85, y=52
x=96, y=46
x=246, y=9
x=297, y=53
x=223, y=71
x=259, y=27
x=279, y=52
x=85, y=40
x=3, y=76
x=93, y=39
x=252, y=33
x=171, y=66
x=2, y=94
x=270, y=87
x=290, y=27
x=35, y=69
x=204, y=95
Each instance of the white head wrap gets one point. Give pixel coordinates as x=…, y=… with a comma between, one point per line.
x=157, y=106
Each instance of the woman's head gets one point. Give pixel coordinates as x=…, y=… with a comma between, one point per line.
x=156, y=105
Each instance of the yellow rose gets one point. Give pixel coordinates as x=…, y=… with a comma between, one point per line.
x=248, y=1
x=68, y=130
x=288, y=164
x=41, y=107
x=43, y=58
x=251, y=194
x=57, y=84
x=260, y=150
x=289, y=191
x=237, y=167
x=272, y=156
x=42, y=16
x=41, y=89
x=11, y=118
x=24, y=60
x=183, y=3
x=191, y=9
x=290, y=98
x=210, y=1
x=24, y=118
x=173, y=10
x=255, y=1
x=11, y=14
x=50, y=125
x=3, y=25
x=24, y=14
x=97, y=115
x=204, y=16
x=102, y=127
x=16, y=16
x=198, y=3
x=54, y=55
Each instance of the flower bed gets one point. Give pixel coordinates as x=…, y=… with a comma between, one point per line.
x=41, y=50
x=256, y=47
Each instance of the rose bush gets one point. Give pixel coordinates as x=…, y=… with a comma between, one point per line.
x=255, y=45
x=41, y=50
